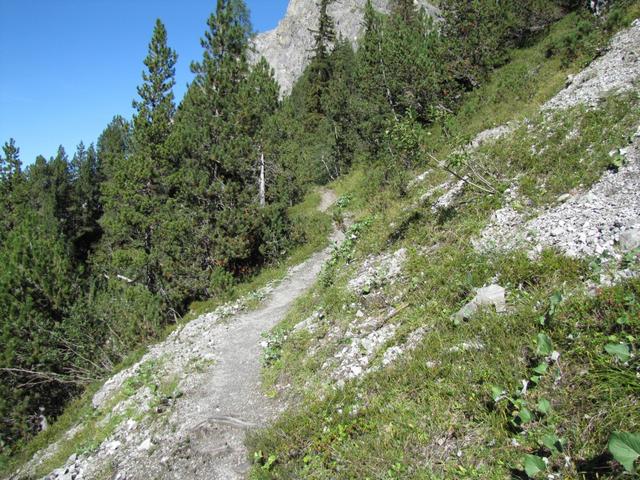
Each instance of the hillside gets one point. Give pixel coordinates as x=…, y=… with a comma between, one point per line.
x=440, y=278
x=469, y=335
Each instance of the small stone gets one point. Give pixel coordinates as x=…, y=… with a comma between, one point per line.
x=564, y=198
x=493, y=295
x=360, y=314
x=630, y=239
x=113, y=446
x=146, y=445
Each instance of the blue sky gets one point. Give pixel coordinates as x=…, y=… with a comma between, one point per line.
x=68, y=66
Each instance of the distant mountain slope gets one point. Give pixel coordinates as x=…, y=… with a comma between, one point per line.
x=287, y=47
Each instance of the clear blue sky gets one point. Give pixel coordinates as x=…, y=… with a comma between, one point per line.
x=68, y=66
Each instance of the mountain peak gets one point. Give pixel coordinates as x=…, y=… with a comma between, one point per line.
x=287, y=47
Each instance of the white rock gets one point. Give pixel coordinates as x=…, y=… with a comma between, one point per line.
x=493, y=295
x=146, y=445
x=630, y=239
x=113, y=446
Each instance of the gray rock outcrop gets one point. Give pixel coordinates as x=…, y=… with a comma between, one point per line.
x=288, y=47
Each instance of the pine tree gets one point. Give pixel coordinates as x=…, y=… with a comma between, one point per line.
x=414, y=75
x=338, y=105
x=257, y=101
x=86, y=205
x=319, y=70
x=10, y=164
x=475, y=33
x=404, y=10
x=11, y=180
x=113, y=147
x=57, y=192
x=219, y=148
x=135, y=192
x=37, y=285
x=374, y=103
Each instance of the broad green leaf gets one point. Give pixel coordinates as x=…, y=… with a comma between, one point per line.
x=541, y=369
x=552, y=442
x=545, y=345
x=619, y=350
x=544, y=406
x=533, y=465
x=525, y=416
x=556, y=299
x=497, y=393
x=625, y=448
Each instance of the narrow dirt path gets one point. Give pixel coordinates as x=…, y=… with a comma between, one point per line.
x=218, y=414
x=201, y=433
x=327, y=199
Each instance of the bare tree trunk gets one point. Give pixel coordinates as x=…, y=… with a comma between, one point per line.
x=262, y=185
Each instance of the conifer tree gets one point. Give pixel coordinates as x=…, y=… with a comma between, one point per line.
x=257, y=101
x=113, y=147
x=338, y=105
x=37, y=284
x=11, y=179
x=86, y=204
x=135, y=191
x=411, y=58
x=405, y=10
x=374, y=103
x=319, y=70
x=10, y=164
x=218, y=148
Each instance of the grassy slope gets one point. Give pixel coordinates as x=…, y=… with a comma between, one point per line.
x=312, y=224
x=431, y=415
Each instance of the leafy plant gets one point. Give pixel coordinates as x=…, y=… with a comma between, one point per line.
x=620, y=351
x=625, y=448
x=544, y=345
x=534, y=465
x=544, y=406
x=554, y=301
x=272, y=347
x=553, y=443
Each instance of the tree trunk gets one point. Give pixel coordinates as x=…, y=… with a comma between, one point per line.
x=262, y=185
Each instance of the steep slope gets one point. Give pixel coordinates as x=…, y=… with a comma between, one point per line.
x=288, y=46
x=422, y=354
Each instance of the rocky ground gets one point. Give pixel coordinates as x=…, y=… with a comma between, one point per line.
x=604, y=220
x=590, y=223
x=616, y=71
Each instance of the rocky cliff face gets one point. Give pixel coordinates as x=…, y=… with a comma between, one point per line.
x=287, y=47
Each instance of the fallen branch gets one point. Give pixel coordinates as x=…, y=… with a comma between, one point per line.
x=485, y=189
x=46, y=377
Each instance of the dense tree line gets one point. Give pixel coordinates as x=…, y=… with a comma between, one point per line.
x=100, y=252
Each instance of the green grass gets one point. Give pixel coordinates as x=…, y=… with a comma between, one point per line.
x=431, y=415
